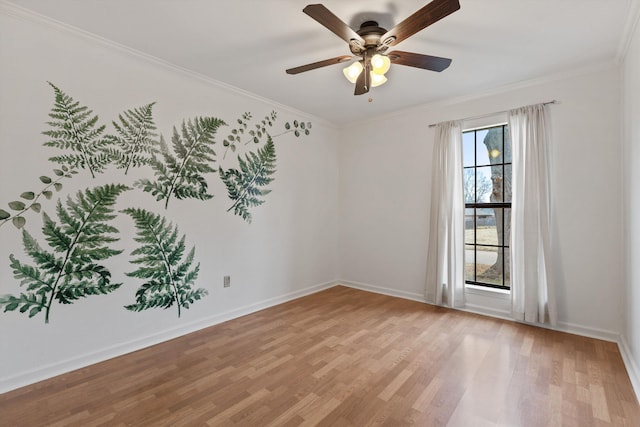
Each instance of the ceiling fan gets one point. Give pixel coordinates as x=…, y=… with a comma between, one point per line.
x=371, y=42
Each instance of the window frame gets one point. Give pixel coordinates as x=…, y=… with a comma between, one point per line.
x=503, y=206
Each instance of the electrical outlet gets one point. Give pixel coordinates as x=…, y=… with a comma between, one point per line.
x=226, y=282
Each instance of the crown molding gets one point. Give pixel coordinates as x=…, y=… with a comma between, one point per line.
x=10, y=9
x=630, y=27
x=497, y=90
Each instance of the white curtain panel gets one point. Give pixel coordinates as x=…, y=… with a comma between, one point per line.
x=532, y=296
x=445, y=259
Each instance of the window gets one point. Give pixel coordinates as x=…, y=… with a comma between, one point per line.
x=486, y=156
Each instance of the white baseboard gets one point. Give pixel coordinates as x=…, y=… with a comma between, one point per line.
x=632, y=368
x=382, y=290
x=586, y=331
x=45, y=372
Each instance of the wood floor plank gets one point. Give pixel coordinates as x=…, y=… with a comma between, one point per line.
x=344, y=357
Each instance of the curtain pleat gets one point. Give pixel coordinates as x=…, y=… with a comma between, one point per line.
x=445, y=258
x=532, y=296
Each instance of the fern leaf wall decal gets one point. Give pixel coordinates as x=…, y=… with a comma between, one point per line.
x=180, y=173
x=135, y=141
x=74, y=128
x=245, y=186
x=169, y=278
x=69, y=270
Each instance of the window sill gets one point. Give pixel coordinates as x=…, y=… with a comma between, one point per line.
x=487, y=291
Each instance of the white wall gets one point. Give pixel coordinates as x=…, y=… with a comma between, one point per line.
x=288, y=250
x=631, y=97
x=385, y=187
x=373, y=178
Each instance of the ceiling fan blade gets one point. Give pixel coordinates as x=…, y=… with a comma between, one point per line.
x=426, y=62
x=319, y=64
x=325, y=17
x=429, y=14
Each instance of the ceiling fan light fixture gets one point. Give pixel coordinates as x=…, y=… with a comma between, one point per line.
x=353, y=71
x=377, y=79
x=380, y=64
x=371, y=42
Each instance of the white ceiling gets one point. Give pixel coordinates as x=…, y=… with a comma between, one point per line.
x=250, y=43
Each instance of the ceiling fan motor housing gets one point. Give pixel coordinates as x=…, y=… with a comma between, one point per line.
x=371, y=34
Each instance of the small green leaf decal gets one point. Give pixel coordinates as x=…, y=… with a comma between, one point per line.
x=302, y=125
x=48, y=194
x=4, y=214
x=45, y=179
x=58, y=172
x=28, y=195
x=287, y=126
x=16, y=205
x=19, y=221
x=295, y=123
x=36, y=207
x=297, y=133
x=57, y=186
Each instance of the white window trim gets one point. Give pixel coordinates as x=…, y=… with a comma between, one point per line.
x=479, y=299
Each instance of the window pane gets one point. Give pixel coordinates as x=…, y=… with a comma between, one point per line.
x=486, y=269
x=470, y=185
x=497, y=183
x=484, y=186
x=486, y=232
x=469, y=263
x=507, y=268
x=469, y=229
x=493, y=145
x=507, y=227
x=468, y=149
x=507, y=183
x=507, y=145
x=482, y=155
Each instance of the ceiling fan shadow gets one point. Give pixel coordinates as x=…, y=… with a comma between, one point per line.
x=384, y=19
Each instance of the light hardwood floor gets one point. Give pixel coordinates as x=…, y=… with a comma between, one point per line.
x=344, y=357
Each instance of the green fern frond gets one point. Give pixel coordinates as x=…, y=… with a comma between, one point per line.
x=34, y=303
x=169, y=278
x=244, y=185
x=68, y=270
x=134, y=142
x=179, y=172
x=74, y=128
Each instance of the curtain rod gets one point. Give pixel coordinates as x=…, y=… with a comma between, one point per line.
x=491, y=114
